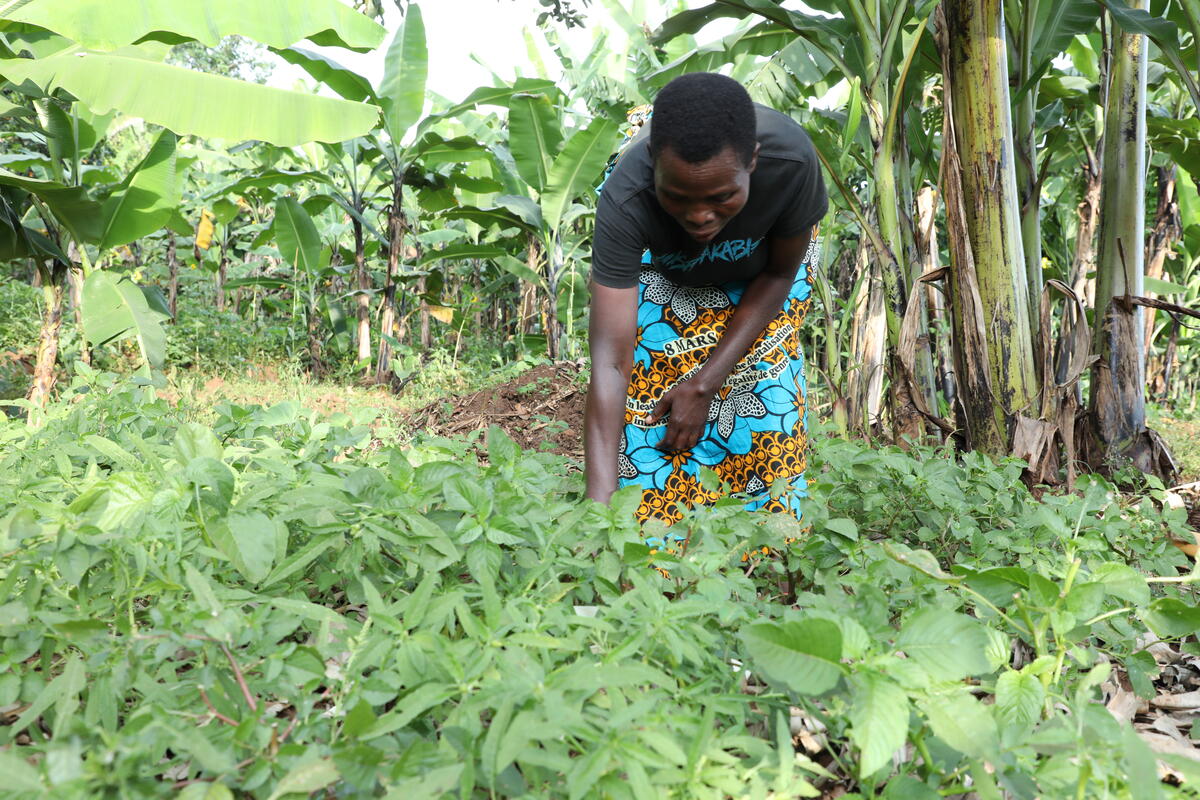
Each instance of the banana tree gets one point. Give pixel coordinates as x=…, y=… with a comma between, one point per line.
x=992, y=313
x=47, y=219
x=553, y=168
x=93, y=52
x=1133, y=16
x=1038, y=32
x=1118, y=377
x=401, y=94
x=97, y=50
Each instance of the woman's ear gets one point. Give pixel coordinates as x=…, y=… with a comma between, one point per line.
x=753, y=159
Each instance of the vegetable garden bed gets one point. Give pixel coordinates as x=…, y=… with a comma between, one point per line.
x=274, y=605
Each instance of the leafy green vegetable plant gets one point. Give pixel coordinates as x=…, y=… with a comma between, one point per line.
x=272, y=603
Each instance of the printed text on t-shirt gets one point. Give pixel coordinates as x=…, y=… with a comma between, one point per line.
x=728, y=250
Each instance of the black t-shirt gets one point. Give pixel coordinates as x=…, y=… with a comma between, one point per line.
x=787, y=198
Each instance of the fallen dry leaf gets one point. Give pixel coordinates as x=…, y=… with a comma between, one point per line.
x=1161, y=743
x=1183, y=700
x=1125, y=705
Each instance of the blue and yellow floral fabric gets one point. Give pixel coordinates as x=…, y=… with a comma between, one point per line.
x=756, y=424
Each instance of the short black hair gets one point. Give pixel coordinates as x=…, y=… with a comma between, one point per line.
x=700, y=114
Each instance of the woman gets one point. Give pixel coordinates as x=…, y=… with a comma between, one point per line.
x=699, y=287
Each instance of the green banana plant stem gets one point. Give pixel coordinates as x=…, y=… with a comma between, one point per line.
x=1118, y=378
x=1026, y=162
x=976, y=66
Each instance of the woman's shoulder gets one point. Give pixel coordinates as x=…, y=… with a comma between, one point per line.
x=780, y=136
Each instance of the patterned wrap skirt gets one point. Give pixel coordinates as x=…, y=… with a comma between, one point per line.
x=755, y=440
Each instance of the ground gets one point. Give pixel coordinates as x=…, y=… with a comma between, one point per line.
x=541, y=408
x=1183, y=435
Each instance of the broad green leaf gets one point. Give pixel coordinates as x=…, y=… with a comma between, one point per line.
x=460, y=252
x=947, y=645
x=484, y=96
x=60, y=136
x=301, y=558
x=1058, y=22
x=999, y=584
x=1141, y=766
x=190, y=743
x=225, y=210
x=195, y=103
x=307, y=778
x=535, y=135
x=843, y=527
x=147, y=199
x=202, y=589
x=1163, y=32
x=509, y=211
x=692, y=20
x=1169, y=617
x=15, y=242
x=765, y=39
x=962, y=722
x=10, y=109
x=1159, y=286
x=58, y=692
x=213, y=475
x=578, y=168
x=407, y=709
x=1189, y=199
x=248, y=539
x=485, y=217
x=308, y=610
x=297, y=237
x=344, y=81
x=402, y=91
x=437, y=782
x=19, y=774
x=193, y=440
x=109, y=24
x=528, y=211
x=114, y=307
x=831, y=34
x=519, y=268
x=525, y=728
x=269, y=178
x=1019, y=697
x=203, y=790
x=802, y=655
x=906, y=787
x=878, y=719
x=118, y=455
x=433, y=150
x=70, y=205
x=1123, y=581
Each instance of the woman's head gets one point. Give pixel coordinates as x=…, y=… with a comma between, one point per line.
x=703, y=140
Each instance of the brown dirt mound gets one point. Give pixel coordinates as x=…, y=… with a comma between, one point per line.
x=542, y=410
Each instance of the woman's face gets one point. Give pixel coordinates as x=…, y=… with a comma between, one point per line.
x=703, y=197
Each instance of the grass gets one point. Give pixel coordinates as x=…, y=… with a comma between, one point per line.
x=199, y=390
x=1183, y=437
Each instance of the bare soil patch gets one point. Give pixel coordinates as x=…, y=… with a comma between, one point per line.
x=541, y=409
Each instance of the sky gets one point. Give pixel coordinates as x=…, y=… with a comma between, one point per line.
x=490, y=29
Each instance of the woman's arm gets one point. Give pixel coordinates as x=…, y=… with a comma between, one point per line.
x=611, y=332
x=688, y=402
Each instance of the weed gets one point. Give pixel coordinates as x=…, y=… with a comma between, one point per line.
x=269, y=599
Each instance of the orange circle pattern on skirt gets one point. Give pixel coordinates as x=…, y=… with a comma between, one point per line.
x=755, y=433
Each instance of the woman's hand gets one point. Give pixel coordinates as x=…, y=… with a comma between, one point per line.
x=687, y=403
